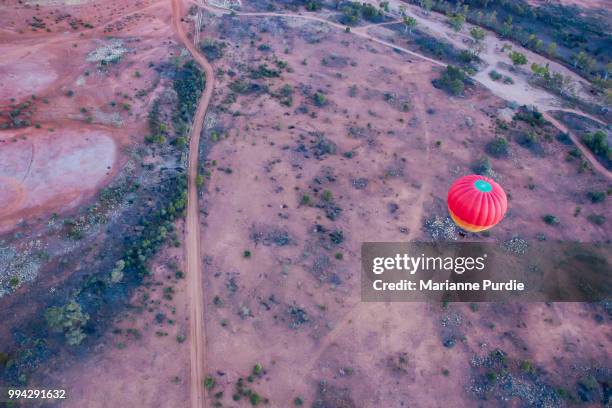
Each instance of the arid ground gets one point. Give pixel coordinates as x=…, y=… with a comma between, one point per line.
x=304, y=140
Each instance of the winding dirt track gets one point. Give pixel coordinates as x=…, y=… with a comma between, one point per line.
x=192, y=224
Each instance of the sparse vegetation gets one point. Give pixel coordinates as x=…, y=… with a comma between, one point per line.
x=188, y=85
x=213, y=49
x=452, y=80
x=597, y=219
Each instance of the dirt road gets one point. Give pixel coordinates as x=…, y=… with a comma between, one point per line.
x=600, y=168
x=197, y=337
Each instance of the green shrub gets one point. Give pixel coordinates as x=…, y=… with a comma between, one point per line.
x=457, y=21
x=550, y=219
x=598, y=143
x=494, y=75
x=213, y=49
x=209, y=382
x=498, y=147
x=263, y=71
x=531, y=116
x=312, y=5
x=482, y=166
x=319, y=99
x=597, y=219
x=188, y=84
x=517, y=58
x=371, y=13
x=327, y=196
x=452, y=80
x=68, y=319
x=199, y=180
x=254, y=398
x=596, y=196
x=351, y=13
x=336, y=237
x=528, y=139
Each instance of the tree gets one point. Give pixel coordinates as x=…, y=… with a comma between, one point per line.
x=426, y=4
x=498, y=147
x=457, y=21
x=552, y=49
x=583, y=61
x=607, y=71
x=409, y=23
x=539, y=45
x=598, y=143
x=452, y=80
x=506, y=28
x=540, y=70
x=319, y=99
x=518, y=58
x=478, y=34
x=493, y=17
x=68, y=319
x=199, y=181
x=116, y=274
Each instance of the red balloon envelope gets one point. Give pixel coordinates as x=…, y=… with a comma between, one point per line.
x=476, y=203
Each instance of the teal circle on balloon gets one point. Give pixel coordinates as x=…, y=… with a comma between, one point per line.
x=483, y=185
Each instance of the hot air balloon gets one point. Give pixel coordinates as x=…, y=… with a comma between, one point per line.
x=476, y=203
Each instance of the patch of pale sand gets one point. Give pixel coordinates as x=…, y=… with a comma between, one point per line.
x=53, y=171
x=520, y=92
x=24, y=73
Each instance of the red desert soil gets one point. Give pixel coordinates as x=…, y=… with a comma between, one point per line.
x=256, y=304
x=78, y=118
x=292, y=304
x=89, y=121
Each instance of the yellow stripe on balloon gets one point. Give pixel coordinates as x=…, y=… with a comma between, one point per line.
x=466, y=225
